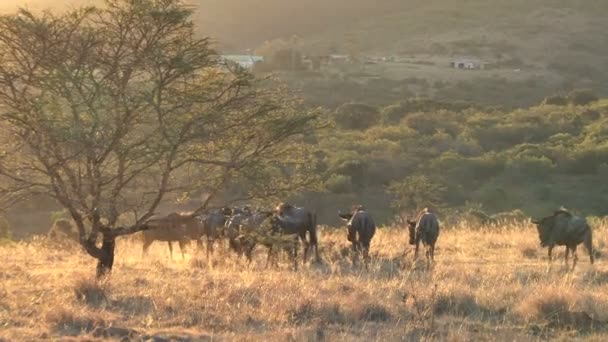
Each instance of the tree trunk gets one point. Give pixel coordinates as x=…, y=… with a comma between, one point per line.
x=106, y=256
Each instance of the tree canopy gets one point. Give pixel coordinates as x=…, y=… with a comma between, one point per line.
x=112, y=110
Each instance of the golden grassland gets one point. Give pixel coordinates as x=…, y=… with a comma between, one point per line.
x=486, y=285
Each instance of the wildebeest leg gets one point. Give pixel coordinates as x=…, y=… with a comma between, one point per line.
x=550, y=250
x=588, y=242
x=433, y=252
x=249, y=253
x=366, y=258
x=416, y=250
x=182, y=248
x=170, y=249
x=306, y=246
x=210, y=241
x=574, y=257
x=295, y=253
x=355, y=248
x=566, y=256
x=269, y=256
x=146, y=245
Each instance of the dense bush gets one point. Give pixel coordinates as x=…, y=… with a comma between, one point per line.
x=356, y=116
x=582, y=97
x=555, y=100
x=532, y=158
x=5, y=228
x=338, y=184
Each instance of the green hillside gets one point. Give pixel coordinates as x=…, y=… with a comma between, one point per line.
x=447, y=154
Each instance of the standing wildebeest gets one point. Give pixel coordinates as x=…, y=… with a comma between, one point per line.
x=425, y=230
x=173, y=227
x=360, y=230
x=291, y=220
x=565, y=229
x=211, y=225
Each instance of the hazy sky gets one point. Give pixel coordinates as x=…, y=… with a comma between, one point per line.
x=11, y=5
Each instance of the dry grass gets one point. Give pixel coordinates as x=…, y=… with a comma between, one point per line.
x=485, y=285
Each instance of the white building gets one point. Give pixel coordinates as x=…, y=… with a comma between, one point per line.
x=468, y=63
x=245, y=61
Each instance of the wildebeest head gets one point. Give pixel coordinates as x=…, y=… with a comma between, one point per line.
x=545, y=226
x=411, y=226
x=350, y=232
x=274, y=224
x=226, y=211
x=282, y=208
x=345, y=216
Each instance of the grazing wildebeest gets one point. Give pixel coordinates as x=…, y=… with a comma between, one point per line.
x=173, y=227
x=232, y=228
x=565, y=229
x=291, y=220
x=241, y=227
x=360, y=230
x=425, y=230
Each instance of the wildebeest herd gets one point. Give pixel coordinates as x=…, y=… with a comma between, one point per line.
x=285, y=227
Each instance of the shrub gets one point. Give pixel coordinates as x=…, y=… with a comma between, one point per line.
x=356, y=116
x=5, y=228
x=392, y=114
x=530, y=167
x=582, y=97
x=63, y=229
x=555, y=100
x=339, y=184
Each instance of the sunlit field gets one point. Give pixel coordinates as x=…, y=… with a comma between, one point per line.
x=489, y=284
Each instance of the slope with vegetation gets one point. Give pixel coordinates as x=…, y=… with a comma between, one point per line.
x=535, y=159
x=533, y=49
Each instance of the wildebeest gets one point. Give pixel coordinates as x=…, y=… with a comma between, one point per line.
x=211, y=225
x=183, y=228
x=360, y=230
x=565, y=229
x=232, y=227
x=425, y=230
x=291, y=220
x=244, y=231
x=173, y=227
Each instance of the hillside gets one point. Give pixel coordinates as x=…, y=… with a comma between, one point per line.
x=536, y=29
x=535, y=48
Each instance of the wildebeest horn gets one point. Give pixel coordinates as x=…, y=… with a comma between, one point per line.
x=535, y=221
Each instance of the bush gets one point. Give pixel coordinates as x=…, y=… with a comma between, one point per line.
x=356, y=116
x=528, y=167
x=582, y=97
x=392, y=114
x=5, y=228
x=355, y=170
x=63, y=229
x=339, y=184
x=555, y=100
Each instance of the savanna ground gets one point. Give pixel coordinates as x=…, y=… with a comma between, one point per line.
x=487, y=284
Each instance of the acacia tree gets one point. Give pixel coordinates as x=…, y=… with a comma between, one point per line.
x=112, y=110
